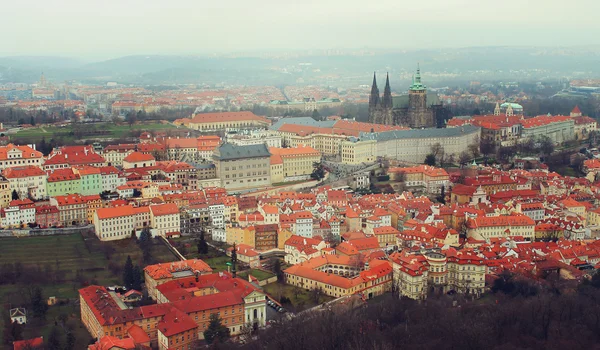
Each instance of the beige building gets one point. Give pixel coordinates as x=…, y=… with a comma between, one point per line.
x=14, y=155
x=356, y=151
x=138, y=160
x=5, y=193
x=297, y=161
x=410, y=276
x=484, y=228
x=243, y=168
x=414, y=145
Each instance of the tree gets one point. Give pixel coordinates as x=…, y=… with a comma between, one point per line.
x=438, y=152
x=318, y=171
x=442, y=197
x=546, y=145
x=54, y=342
x=202, y=245
x=38, y=304
x=277, y=269
x=474, y=150
x=131, y=118
x=128, y=273
x=145, y=242
x=32, y=121
x=430, y=159
x=15, y=195
x=316, y=115
x=464, y=158
x=13, y=331
x=137, y=278
x=486, y=146
x=233, y=260
x=70, y=345
x=315, y=294
x=216, y=331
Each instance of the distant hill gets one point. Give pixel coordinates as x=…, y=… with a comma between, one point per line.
x=169, y=69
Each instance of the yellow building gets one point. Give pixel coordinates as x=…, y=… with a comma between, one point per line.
x=466, y=273
x=337, y=276
x=276, y=168
x=5, y=193
x=483, y=227
x=410, y=276
x=356, y=151
x=297, y=161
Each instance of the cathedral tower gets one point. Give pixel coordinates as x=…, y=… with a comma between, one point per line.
x=373, y=100
x=387, y=94
x=418, y=114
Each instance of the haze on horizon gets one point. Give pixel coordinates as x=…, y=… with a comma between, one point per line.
x=112, y=28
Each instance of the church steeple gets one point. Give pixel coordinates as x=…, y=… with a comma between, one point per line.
x=374, y=97
x=416, y=84
x=387, y=93
x=497, y=109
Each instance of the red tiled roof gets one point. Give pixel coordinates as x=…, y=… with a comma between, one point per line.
x=26, y=152
x=175, y=322
x=23, y=171
x=164, y=209
x=138, y=157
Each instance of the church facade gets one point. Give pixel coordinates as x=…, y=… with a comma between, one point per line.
x=418, y=109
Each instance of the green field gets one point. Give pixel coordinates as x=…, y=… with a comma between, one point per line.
x=104, y=131
x=78, y=260
x=303, y=300
x=259, y=274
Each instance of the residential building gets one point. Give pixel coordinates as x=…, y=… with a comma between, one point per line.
x=339, y=276
x=111, y=178
x=61, y=182
x=355, y=151
x=243, y=168
x=47, y=216
x=72, y=209
x=28, y=181
x=13, y=156
x=91, y=179
x=298, y=162
x=114, y=154
x=157, y=274
x=69, y=156
x=300, y=249
x=501, y=226
x=165, y=220
x=138, y=160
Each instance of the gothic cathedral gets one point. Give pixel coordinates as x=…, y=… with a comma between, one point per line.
x=414, y=112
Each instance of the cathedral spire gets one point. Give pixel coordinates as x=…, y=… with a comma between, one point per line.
x=416, y=83
x=497, y=109
x=374, y=98
x=387, y=93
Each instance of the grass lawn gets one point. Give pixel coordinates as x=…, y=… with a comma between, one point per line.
x=105, y=130
x=67, y=254
x=218, y=263
x=302, y=301
x=259, y=274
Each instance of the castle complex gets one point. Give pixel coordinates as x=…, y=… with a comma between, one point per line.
x=415, y=110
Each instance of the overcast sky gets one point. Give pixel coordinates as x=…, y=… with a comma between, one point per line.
x=111, y=28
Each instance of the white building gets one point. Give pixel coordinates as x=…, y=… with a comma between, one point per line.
x=165, y=219
x=216, y=212
x=111, y=178
x=13, y=155
x=255, y=137
x=29, y=181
